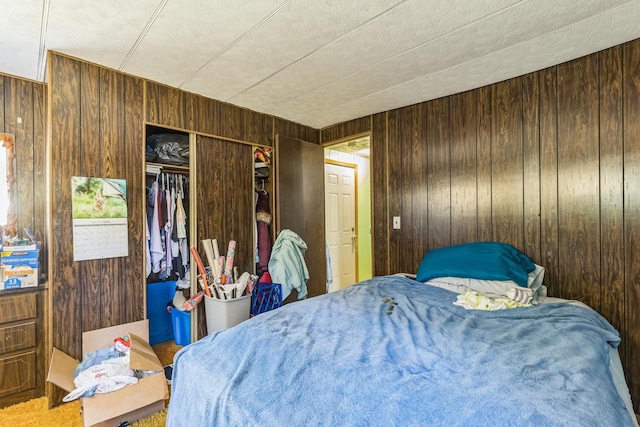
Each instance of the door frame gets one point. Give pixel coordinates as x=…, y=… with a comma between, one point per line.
x=355, y=202
x=328, y=145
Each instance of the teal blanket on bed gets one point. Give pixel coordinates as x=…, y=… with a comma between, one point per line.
x=395, y=352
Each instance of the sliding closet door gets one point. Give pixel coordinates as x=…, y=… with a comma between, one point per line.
x=300, y=203
x=224, y=202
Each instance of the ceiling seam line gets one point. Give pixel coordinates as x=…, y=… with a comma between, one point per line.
x=44, y=23
x=143, y=34
x=449, y=68
x=337, y=39
x=237, y=40
x=432, y=40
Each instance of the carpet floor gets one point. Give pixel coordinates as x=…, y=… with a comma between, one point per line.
x=35, y=412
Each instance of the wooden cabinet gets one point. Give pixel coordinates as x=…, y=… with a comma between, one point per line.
x=21, y=346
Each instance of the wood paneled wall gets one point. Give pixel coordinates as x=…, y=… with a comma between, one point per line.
x=23, y=106
x=97, y=125
x=548, y=162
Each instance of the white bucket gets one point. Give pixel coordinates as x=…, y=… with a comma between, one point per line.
x=223, y=314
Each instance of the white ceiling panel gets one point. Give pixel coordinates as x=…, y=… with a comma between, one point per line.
x=353, y=52
x=476, y=40
x=98, y=31
x=316, y=62
x=187, y=38
x=20, y=40
x=556, y=47
x=297, y=30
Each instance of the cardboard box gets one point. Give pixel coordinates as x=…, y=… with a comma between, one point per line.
x=19, y=268
x=129, y=403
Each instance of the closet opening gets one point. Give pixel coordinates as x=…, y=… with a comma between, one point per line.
x=168, y=231
x=348, y=211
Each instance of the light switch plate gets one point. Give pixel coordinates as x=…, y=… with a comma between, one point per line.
x=396, y=223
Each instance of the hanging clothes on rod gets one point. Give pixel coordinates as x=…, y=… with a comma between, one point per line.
x=167, y=239
x=263, y=223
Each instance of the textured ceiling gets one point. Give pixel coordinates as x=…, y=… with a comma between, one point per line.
x=312, y=61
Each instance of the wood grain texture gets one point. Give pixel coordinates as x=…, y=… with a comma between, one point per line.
x=208, y=118
x=379, y=200
x=405, y=196
x=300, y=179
x=96, y=130
x=483, y=164
x=17, y=337
x=232, y=119
x=394, y=189
x=166, y=105
x=191, y=110
x=90, y=270
x=631, y=150
x=419, y=194
x=66, y=280
x=464, y=227
x=40, y=193
x=225, y=201
x=17, y=307
x=19, y=121
x=22, y=345
x=133, y=167
x=258, y=128
x=439, y=174
x=507, y=194
x=296, y=130
x=578, y=180
x=346, y=129
x=612, y=188
x=531, y=165
x=112, y=158
x=17, y=373
x=549, y=178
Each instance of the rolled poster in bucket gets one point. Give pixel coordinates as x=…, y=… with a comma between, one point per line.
x=230, y=255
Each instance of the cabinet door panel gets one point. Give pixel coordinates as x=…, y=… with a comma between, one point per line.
x=300, y=203
x=17, y=373
x=224, y=194
x=224, y=202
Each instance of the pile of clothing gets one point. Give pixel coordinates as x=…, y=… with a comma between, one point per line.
x=104, y=370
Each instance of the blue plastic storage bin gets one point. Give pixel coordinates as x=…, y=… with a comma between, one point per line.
x=181, y=326
x=265, y=297
x=160, y=326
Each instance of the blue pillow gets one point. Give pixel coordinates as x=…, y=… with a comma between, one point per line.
x=479, y=260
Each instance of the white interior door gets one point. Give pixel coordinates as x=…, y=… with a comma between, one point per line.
x=340, y=204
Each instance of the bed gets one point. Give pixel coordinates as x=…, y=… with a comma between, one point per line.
x=397, y=351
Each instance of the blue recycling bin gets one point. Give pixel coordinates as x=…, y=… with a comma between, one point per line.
x=160, y=324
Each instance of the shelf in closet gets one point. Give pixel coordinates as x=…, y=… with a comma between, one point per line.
x=169, y=168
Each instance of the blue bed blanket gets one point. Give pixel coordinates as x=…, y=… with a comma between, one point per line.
x=395, y=352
